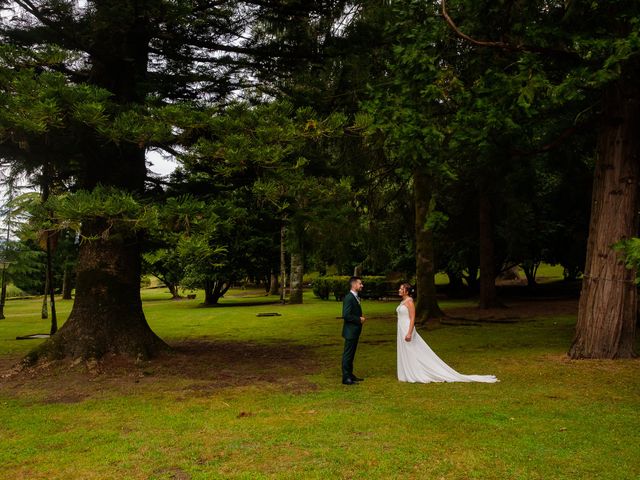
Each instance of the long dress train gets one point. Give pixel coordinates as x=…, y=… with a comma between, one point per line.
x=417, y=363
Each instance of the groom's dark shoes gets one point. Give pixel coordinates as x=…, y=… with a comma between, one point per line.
x=348, y=381
x=356, y=379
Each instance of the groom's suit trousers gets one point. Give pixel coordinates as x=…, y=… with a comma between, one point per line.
x=349, y=353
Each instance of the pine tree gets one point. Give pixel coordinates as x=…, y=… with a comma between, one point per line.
x=88, y=88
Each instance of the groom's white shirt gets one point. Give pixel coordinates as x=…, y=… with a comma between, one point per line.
x=355, y=294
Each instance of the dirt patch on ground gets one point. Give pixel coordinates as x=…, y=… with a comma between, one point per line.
x=514, y=311
x=193, y=368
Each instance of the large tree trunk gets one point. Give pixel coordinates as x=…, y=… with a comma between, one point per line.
x=488, y=293
x=607, y=308
x=107, y=313
x=427, y=307
x=297, y=271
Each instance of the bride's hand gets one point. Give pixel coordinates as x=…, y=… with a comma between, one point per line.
x=407, y=338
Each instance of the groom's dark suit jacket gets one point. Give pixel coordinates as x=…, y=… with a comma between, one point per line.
x=351, y=313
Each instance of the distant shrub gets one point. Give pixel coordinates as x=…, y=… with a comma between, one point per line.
x=378, y=287
x=375, y=287
x=309, y=278
x=15, y=292
x=324, y=287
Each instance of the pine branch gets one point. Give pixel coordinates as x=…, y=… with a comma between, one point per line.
x=31, y=8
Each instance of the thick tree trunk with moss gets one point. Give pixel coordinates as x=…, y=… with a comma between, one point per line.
x=427, y=308
x=488, y=292
x=107, y=313
x=608, y=301
x=297, y=272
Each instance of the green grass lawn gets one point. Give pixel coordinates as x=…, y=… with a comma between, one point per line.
x=260, y=397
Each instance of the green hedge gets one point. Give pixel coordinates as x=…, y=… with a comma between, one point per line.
x=375, y=287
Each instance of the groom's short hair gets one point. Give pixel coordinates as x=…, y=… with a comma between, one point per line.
x=353, y=280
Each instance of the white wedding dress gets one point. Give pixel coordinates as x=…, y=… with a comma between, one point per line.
x=417, y=363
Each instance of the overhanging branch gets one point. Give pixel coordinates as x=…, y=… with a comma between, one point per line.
x=466, y=37
x=503, y=45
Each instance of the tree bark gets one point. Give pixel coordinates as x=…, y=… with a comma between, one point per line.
x=173, y=290
x=3, y=292
x=427, y=307
x=283, y=264
x=530, y=270
x=488, y=293
x=44, y=312
x=3, y=275
x=67, y=282
x=214, y=290
x=54, y=317
x=274, y=285
x=297, y=272
x=608, y=301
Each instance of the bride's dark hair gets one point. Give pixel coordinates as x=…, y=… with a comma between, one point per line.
x=410, y=290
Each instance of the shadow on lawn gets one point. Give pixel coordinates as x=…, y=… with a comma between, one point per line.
x=239, y=304
x=514, y=311
x=191, y=369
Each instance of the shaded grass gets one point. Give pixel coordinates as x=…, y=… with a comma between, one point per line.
x=548, y=273
x=259, y=397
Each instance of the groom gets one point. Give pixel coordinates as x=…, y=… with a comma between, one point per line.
x=353, y=320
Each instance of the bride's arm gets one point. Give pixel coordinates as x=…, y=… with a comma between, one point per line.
x=412, y=319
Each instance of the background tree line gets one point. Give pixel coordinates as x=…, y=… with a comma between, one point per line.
x=412, y=136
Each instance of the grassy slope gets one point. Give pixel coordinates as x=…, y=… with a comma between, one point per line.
x=261, y=417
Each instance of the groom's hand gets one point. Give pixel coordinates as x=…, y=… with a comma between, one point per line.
x=362, y=319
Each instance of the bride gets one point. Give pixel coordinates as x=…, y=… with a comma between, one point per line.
x=417, y=363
